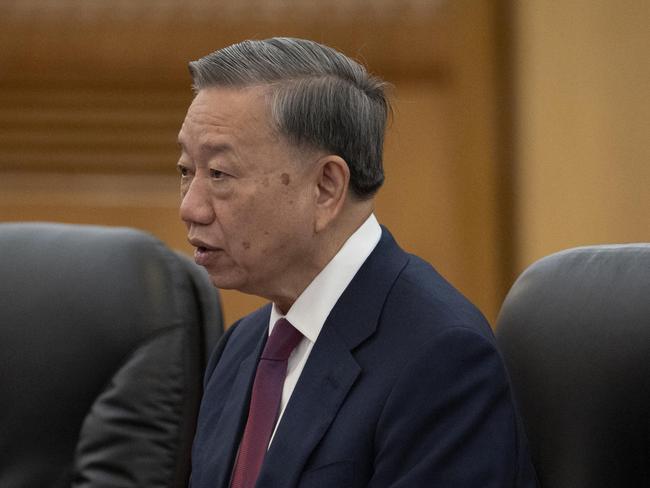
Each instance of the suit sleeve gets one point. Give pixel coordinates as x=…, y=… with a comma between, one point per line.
x=449, y=420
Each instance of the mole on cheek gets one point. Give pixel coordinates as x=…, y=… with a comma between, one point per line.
x=285, y=178
x=246, y=245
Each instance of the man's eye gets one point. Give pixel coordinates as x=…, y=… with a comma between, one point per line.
x=217, y=174
x=182, y=170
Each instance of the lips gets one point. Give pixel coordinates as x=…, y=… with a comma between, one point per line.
x=203, y=252
x=203, y=255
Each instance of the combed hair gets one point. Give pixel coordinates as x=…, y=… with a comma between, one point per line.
x=319, y=98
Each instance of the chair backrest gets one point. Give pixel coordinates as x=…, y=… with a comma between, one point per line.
x=103, y=340
x=575, y=333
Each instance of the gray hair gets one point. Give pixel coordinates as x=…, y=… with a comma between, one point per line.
x=320, y=98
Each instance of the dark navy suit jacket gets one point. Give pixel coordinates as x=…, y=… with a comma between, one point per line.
x=403, y=388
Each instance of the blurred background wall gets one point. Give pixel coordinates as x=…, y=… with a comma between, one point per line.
x=520, y=128
x=583, y=172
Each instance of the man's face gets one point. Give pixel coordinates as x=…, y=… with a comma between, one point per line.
x=247, y=198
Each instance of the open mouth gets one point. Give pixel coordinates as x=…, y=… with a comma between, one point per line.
x=203, y=252
x=203, y=255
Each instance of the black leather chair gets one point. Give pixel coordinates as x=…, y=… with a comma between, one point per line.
x=104, y=334
x=575, y=333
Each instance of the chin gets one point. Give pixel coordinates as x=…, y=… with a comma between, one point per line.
x=235, y=281
x=226, y=282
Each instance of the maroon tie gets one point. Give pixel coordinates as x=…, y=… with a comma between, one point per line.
x=265, y=403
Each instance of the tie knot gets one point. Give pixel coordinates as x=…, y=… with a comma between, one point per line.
x=283, y=339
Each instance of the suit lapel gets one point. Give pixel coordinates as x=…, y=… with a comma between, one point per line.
x=331, y=370
x=235, y=411
x=311, y=409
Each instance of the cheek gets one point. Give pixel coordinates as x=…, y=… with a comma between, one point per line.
x=268, y=220
x=251, y=224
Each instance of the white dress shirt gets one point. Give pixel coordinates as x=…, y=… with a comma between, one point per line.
x=309, y=312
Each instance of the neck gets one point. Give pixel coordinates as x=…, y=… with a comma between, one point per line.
x=326, y=245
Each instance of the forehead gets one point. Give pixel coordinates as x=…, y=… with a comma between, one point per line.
x=219, y=112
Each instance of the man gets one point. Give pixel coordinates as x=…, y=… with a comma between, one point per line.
x=387, y=376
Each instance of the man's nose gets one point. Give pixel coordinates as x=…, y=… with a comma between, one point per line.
x=196, y=207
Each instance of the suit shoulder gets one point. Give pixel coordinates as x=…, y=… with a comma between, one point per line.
x=423, y=298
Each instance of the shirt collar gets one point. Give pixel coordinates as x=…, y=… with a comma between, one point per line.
x=309, y=312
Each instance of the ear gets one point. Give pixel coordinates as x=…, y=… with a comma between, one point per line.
x=332, y=181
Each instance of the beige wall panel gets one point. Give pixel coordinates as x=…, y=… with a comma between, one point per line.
x=417, y=199
x=437, y=199
x=476, y=157
x=584, y=112
x=116, y=42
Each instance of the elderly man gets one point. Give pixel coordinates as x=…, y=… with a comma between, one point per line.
x=367, y=369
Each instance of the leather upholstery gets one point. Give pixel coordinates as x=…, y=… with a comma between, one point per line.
x=103, y=340
x=575, y=333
